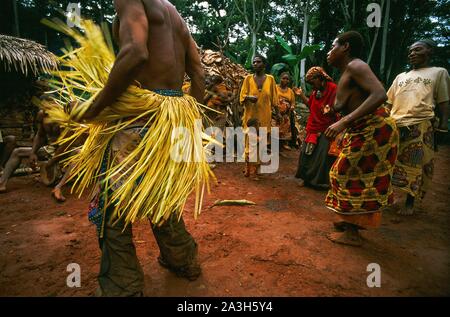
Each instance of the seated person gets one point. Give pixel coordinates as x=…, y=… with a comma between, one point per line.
x=42, y=150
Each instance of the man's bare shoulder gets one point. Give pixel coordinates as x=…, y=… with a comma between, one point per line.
x=357, y=66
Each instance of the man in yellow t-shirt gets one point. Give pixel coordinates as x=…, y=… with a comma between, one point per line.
x=416, y=97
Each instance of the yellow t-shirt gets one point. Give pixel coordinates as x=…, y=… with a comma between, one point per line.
x=267, y=98
x=414, y=94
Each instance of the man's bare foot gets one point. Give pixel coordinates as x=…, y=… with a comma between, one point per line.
x=57, y=194
x=348, y=237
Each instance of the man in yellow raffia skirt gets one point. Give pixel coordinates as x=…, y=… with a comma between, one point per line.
x=132, y=115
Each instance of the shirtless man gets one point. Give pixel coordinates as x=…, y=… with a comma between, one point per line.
x=156, y=50
x=360, y=179
x=47, y=133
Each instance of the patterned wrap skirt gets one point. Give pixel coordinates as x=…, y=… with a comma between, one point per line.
x=415, y=162
x=360, y=178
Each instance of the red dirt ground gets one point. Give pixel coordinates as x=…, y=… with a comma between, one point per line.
x=275, y=248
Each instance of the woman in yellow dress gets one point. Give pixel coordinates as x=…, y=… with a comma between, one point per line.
x=286, y=105
x=258, y=97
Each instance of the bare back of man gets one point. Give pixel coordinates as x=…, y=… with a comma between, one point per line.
x=156, y=50
x=168, y=43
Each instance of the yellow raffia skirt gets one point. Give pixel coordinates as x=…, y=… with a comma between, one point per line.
x=151, y=183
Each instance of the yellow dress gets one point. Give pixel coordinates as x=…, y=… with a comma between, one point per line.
x=286, y=101
x=267, y=98
x=260, y=110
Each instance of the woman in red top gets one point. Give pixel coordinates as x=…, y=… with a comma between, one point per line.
x=315, y=162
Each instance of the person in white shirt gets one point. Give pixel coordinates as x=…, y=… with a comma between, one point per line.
x=419, y=101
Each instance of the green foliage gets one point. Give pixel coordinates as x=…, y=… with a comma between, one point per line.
x=278, y=68
x=217, y=24
x=294, y=60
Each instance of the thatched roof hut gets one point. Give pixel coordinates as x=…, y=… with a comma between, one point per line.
x=21, y=63
x=25, y=55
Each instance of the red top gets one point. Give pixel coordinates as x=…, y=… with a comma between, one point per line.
x=318, y=122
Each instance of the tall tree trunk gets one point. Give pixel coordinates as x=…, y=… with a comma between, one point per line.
x=16, y=18
x=384, y=42
x=353, y=12
x=388, y=74
x=375, y=38
x=304, y=40
x=253, y=45
x=345, y=12
x=254, y=20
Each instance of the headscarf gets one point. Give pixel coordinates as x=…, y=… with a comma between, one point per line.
x=316, y=70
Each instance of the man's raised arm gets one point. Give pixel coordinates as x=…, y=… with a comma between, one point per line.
x=133, y=34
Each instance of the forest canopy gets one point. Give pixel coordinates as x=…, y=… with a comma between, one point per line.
x=239, y=28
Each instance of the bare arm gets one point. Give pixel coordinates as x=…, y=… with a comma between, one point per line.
x=195, y=71
x=133, y=34
x=304, y=99
x=361, y=73
x=299, y=92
